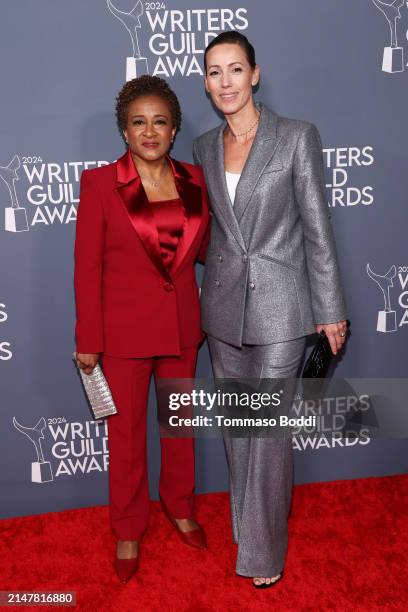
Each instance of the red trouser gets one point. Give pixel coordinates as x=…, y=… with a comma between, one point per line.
x=129, y=381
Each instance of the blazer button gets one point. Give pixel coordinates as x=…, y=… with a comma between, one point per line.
x=252, y=286
x=217, y=283
x=220, y=258
x=168, y=287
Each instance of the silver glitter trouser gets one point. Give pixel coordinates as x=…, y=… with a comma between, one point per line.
x=261, y=469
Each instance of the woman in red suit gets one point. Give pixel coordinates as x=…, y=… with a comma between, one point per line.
x=142, y=225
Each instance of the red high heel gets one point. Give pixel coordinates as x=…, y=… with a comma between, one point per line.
x=195, y=538
x=126, y=568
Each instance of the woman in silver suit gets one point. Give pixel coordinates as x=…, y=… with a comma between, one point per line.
x=271, y=279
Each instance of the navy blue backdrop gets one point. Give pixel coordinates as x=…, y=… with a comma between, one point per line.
x=340, y=65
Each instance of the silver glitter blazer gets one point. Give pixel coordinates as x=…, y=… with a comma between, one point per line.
x=271, y=269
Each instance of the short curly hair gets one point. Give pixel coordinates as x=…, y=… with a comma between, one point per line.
x=146, y=85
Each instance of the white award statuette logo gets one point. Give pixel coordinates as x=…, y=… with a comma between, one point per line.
x=15, y=215
x=393, y=58
x=387, y=318
x=135, y=65
x=41, y=470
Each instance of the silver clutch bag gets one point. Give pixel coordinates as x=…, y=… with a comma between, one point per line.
x=98, y=392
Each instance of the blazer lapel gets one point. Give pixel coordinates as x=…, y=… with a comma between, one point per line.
x=217, y=183
x=262, y=151
x=133, y=195
x=191, y=196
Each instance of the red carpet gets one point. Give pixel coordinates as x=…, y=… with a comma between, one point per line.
x=348, y=551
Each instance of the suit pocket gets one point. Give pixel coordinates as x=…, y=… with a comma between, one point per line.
x=278, y=261
x=276, y=167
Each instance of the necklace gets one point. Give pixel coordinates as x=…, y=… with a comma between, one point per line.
x=153, y=183
x=249, y=130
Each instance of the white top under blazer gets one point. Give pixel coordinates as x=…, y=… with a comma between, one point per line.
x=232, y=182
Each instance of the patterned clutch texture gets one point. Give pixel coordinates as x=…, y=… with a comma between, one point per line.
x=98, y=392
x=319, y=360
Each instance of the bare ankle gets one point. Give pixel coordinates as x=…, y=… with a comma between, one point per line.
x=186, y=524
x=127, y=549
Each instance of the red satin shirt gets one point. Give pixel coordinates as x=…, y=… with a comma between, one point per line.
x=169, y=218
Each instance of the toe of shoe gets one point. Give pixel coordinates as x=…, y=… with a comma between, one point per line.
x=195, y=538
x=126, y=568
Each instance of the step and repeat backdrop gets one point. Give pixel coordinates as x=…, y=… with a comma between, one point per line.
x=342, y=65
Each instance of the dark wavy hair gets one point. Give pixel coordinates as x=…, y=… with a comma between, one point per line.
x=146, y=85
x=232, y=37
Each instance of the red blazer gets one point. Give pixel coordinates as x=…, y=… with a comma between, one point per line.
x=127, y=303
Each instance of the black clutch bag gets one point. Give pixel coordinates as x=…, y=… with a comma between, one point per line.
x=319, y=359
